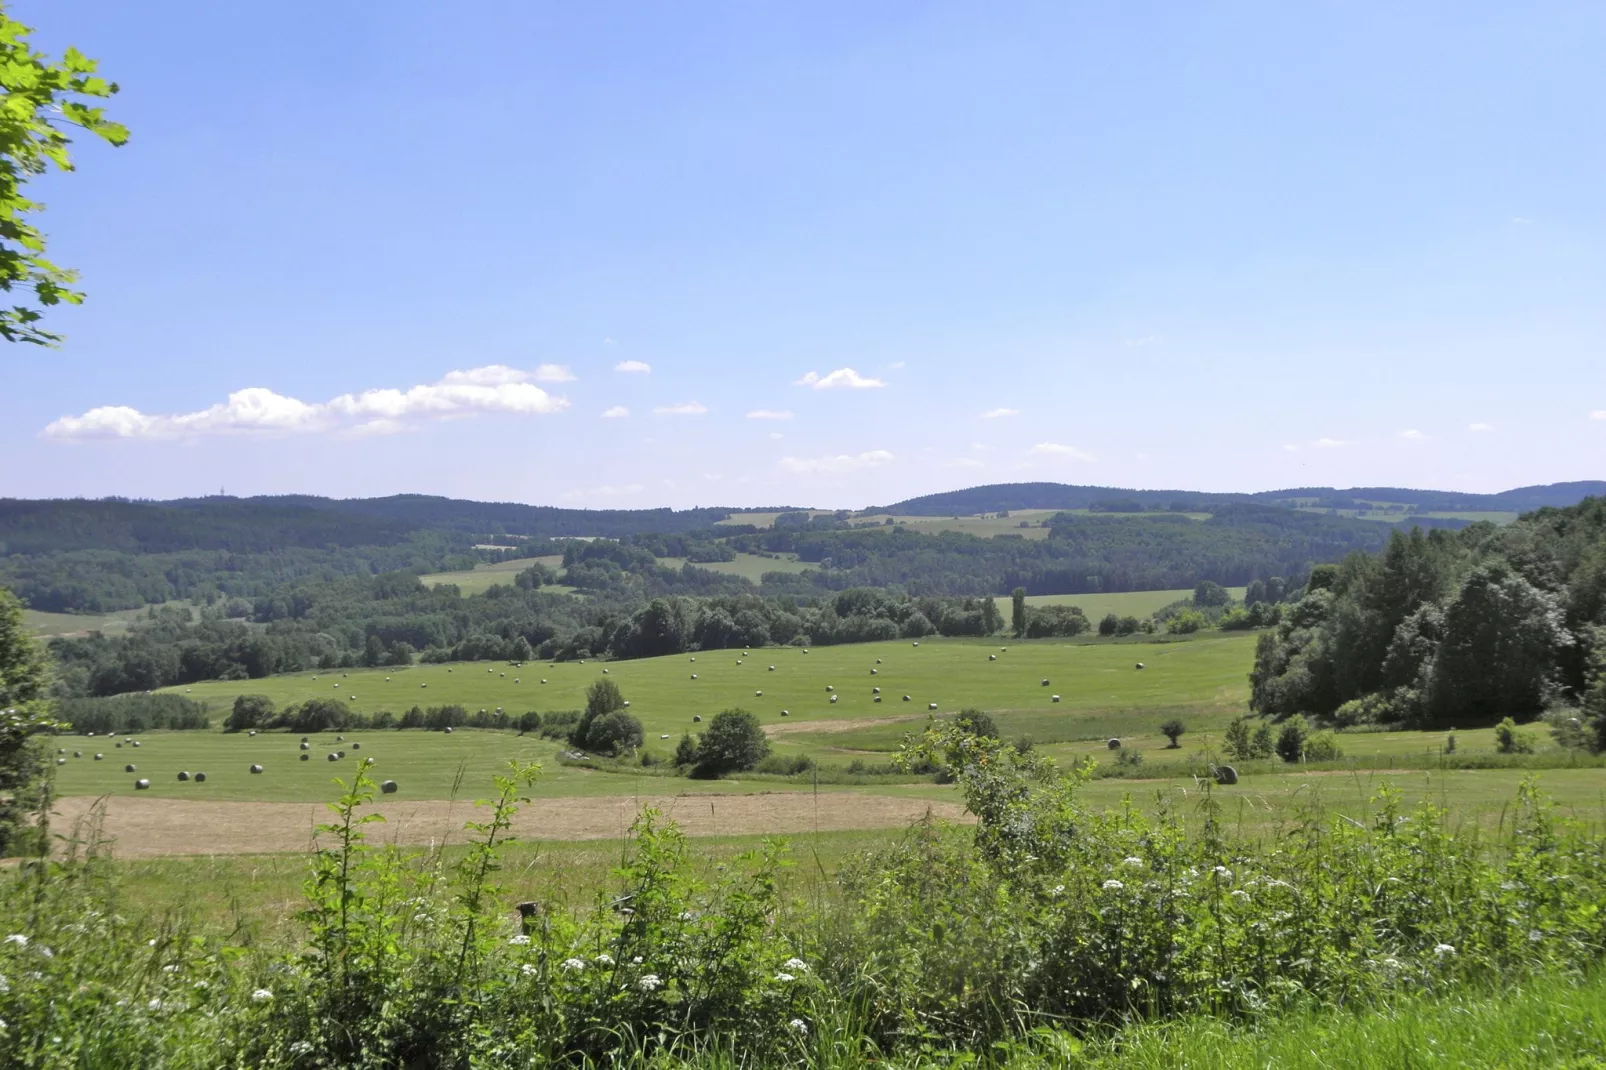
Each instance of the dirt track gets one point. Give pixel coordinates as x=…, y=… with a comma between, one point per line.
x=148, y=828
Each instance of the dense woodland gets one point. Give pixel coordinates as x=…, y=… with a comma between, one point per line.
x=1444, y=629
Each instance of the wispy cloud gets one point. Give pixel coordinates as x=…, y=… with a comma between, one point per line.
x=606, y=491
x=994, y=414
x=1139, y=343
x=553, y=373
x=840, y=463
x=897, y=364
x=639, y=367
x=841, y=379
x=1289, y=447
x=1330, y=443
x=617, y=412
x=1598, y=414
x=685, y=408
x=1521, y=220
x=493, y=389
x=776, y=435
x=770, y=414
x=1480, y=428
x=1413, y=435
x=1055, y=449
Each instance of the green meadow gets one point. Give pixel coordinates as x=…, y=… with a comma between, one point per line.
x=482, y=578
x=1122, y=603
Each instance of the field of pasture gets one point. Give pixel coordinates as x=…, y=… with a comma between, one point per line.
x=1122, y=603
x=482, y=578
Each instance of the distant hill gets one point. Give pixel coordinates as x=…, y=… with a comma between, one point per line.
x=1001, y=496
x=268, y=524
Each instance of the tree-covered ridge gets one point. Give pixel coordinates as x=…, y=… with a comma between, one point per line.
x=1008, y=496
x=1445, y=629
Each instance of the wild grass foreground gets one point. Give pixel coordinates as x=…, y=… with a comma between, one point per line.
x=1047, y=933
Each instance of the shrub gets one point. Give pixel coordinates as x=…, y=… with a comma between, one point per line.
x=249, y=711
x=785, y=765
x=1129, y=757
x=978, y=723
x=1291, y=740
x=686, y=751
x=1108, y=623
x=1242, y=744
x=602, y=698
x=1173, y=730
x=733, y=741
x=613, y=733
x=1323, y=747
x=1509, y=739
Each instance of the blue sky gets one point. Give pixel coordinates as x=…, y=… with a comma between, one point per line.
x=357, y=249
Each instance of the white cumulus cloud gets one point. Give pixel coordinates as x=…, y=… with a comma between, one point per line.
x=1598, y=414
x=639, y=367
x=994, y=414
x=685, y=408
x=1055, y=449
x=840, y=463
x=553, y=373
x=1330, y=443
x=841, y=379
x=616, y=412
x=1413, y=435
x=494, y=388
x=770, y=414
x=1480, y=428
x=1139, y=343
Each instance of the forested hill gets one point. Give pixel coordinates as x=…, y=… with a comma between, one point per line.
x=998, y=497
x=272, y=524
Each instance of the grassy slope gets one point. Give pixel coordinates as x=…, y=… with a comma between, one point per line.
x=751, y=566
x=481, y=578
x=1121, y=603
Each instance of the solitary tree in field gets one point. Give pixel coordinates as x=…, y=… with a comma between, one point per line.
x=733, y=742
x=1018, y=611
x=43, y=100
x=1173, y=730
x=602, y=698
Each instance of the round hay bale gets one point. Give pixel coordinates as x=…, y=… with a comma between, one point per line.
x=745, y=654
x=305, y=745
x=772, y=668
x=99, y=757
x=61, y=761
x=917, y=643
x=664, y=736
x=252, y=732
x=696, y=717
x=543, y=681
x=875, y=691
x=833, y=698
x=694, y=659
x=1054, y=698
x=1226, y=774
x=200, y=778
x=136, y=742
x=304, y=739
x=306, y=757
x=1140, y=664
x=694, y=676
x=358, y=746
x=77, y=754
x=340, y=754
x=256, y=769
x=129, y=768
x=875, y=672
x=1114, y=744
x=1045, y=683
x=758, y=694
x=387, y=679
x=878, y=661
x=340, y=739
x=931, y=705
x=141, y=784
x=61, y=750
x=906, y=698
x=627, y=706
x=448, y=729
x=786, y=713
x=183, y=775
x=388, y=787
x=331, y=756
x=604, y=672
x=805, y=650
x=876, y=699
x=992, y=657
x=426, y=685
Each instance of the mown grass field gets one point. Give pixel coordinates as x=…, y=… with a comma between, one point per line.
x=482, y=578
x=50, y=625
x=748, y=566
x=1122, y=603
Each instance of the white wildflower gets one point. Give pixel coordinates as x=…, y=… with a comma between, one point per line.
x=528, y=970
x=1444, y=950
x=605, y=959
x=574, y=964
x=636, y=961
x=18, y=939
x=799, y=1026
x=261, y=995
x=796, y=964
x=1223, y=872
x=5, y=985
x=1058, y=889
x=301, y=1047
x=685, y=915
x=1534, y=936
x=519, y=940
x=785, y=978
x=1239, y=893
x=1113, y=886
x=154, y=1005
x=1132, y=860
x=649, y=982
